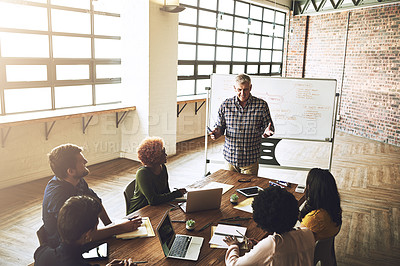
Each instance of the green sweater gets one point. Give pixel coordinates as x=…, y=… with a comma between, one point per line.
x=151, y=189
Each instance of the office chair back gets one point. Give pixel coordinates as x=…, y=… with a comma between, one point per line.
x=42, y=235
x=325, y=252
x=128, y=193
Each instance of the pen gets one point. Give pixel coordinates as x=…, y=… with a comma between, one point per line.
x=137, y=262
x=204, y=227
x=245, y=237
x=230, y=218
x=178, y=221
x=230, y=223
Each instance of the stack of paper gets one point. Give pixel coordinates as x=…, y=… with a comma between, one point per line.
x=145, y=230
x=221, y=231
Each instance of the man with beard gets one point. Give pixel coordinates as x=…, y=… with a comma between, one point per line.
x=69, y=167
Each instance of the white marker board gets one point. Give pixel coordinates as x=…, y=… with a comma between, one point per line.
x=300, y=108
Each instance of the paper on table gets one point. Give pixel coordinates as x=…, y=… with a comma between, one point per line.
x=245, y=205
x=223, y=230
x=145, y=230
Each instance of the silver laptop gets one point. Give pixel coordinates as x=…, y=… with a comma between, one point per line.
x=177, y=246
x=200, y=200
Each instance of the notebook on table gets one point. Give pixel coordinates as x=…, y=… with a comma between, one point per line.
x=177, y=246
x=200, y=200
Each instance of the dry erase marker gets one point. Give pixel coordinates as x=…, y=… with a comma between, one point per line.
x=209, y=129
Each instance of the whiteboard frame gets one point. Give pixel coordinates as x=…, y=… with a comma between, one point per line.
x=331, y=140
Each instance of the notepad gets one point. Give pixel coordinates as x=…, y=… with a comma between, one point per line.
x=145, y=230
x=245, y=205
x=221, y=231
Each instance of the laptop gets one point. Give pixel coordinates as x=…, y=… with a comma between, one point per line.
x=177, y=246
x=200, y=200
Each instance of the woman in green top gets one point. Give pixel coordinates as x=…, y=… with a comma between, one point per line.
x=152, y=178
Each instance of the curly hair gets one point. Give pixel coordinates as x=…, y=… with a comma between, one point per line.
x=275, y=210
x=62, y=158
x=78, y=215
x=150, y=150
x=322, y=193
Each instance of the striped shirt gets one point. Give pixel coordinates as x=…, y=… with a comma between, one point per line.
x=243, y=128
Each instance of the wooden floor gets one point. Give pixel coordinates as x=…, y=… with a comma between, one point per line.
x=367, y=173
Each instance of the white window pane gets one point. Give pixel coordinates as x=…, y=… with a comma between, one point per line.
x=226, y=6
x=275, y=69
x=240, y=39
x=222, y=69
x=204, y=69
x=188, y=2
x=108, y=93
x=279, y=31
x=254, y=41
x=268, y=15
x=185, y=87
x=72, y=72
x=255, y=27
x=24, y=45
x=239, y=54
x=186, y=34
x=105, y=48
x=241, y=24
x=242, y=9
x=201, y=85
x=26, y=73
x=268, y=29
x=280, y=18
x=69, y=21
x=207, y=18
x=29, y=99
x=186, y=52
x=206, y=36
x=266, y=42
x=72, y=3
x=70, y=96
x=112, y=6
x=224, y=37
x=188, y=16
x=264, y=68
x=265, y=56
x=23, y=17
x=205, y=52
x=225, y=22
x=71, y=47
x=252, y=69
x=108, y=71
x=107, y=25
x=277, y=56
x=209, y=4
x=238, y=69
x=253, y=55
x=256, y=12
x=278, y=43
x=185, y=70
x=224, y=54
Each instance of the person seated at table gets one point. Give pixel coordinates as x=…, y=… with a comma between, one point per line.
x=75, y=230
x=321, y=213
x=152, y=186
x=275, y=210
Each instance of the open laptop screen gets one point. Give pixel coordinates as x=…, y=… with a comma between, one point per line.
x=166, y=233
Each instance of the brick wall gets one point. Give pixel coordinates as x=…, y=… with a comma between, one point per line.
x=370, y=96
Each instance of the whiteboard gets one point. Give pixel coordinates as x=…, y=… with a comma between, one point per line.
x=300, y=108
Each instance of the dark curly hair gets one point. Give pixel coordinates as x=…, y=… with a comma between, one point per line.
x=322, y=193
x=275, y=210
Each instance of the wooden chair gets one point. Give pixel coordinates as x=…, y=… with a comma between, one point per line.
x=128, y=193
x=42, y=236
x=325, y=252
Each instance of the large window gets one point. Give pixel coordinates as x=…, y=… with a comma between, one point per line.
x=227, y=37
x=58, y=54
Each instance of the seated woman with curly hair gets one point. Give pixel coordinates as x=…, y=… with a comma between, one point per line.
x=275, y=210
x=321, y=213
x=152, y=186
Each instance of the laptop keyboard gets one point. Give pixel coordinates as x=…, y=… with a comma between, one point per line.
x=180, y=246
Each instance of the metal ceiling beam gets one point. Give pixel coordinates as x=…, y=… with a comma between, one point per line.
x=314, y=7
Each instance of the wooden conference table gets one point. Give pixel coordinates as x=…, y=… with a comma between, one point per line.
x=149, y=249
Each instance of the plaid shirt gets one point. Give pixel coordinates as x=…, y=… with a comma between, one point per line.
x=243, y=128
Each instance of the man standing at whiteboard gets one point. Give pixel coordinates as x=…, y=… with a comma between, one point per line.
x=244, y=119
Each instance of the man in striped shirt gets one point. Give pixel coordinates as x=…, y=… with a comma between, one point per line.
x=244, y=119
